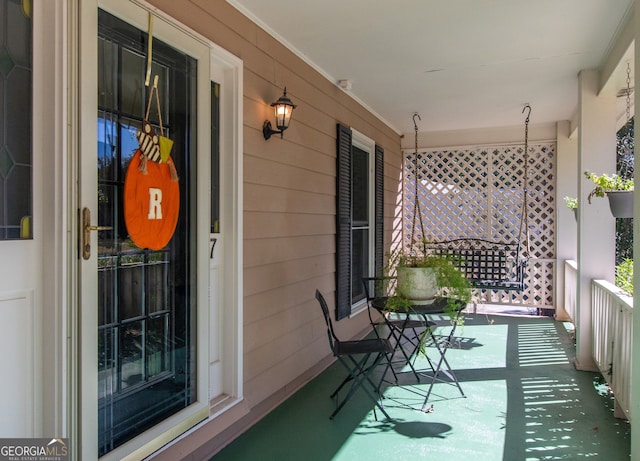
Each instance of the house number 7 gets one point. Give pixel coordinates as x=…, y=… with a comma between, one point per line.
x=213, y=245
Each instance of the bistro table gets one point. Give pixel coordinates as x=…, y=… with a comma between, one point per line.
x=441, y=342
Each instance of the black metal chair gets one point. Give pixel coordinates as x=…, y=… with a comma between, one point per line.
x=355, y=357
x=405, y=331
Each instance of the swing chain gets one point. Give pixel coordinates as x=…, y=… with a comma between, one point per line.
x=628, y=92
x=524, y=215
x=417, y=212
x=625, y=145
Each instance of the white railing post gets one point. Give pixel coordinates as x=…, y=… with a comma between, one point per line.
x=612, y=332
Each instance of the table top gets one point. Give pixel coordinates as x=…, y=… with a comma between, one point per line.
x=438, y=306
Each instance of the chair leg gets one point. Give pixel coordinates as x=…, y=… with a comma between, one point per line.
x=360, y=376
x=388, y=366
x=376, y=399
x=348, y=378
x=398, y=335
x=358, y=365
x=388, y=356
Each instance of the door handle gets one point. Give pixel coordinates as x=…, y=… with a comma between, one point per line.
x=86, y=232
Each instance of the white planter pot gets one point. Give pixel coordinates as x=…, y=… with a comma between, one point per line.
x=621, y=203
x=418, y=284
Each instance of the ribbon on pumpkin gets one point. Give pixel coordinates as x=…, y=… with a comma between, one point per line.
x=153, y=147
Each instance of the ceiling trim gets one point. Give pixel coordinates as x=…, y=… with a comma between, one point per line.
x=620, y=50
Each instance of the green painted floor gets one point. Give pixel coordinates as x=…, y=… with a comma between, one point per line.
x=524, y=401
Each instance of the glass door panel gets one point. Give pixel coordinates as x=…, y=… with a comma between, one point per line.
x=146, y=299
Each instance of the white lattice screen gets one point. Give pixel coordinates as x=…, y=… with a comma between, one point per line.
x=477, y=193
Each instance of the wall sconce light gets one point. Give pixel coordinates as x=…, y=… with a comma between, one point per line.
x=283, y=109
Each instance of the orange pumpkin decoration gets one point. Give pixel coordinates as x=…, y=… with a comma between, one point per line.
x=151, y=202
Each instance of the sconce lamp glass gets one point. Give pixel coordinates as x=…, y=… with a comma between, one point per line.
x=283, y=109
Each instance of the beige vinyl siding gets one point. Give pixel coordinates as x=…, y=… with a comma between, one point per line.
x=289, y=202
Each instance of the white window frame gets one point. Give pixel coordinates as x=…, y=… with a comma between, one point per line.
x=368, y=145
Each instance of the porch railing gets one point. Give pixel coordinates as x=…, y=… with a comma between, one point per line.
x=570, y=287
x=612, y=322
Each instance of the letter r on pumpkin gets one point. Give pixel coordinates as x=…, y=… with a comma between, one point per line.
x=155, y=203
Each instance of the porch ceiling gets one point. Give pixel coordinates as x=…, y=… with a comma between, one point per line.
x=459, y=64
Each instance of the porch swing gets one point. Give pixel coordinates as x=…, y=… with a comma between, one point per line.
x=488, y=265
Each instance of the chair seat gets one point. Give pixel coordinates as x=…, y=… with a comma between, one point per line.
x=363, y=346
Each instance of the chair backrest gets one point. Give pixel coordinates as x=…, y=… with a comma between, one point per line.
x=369, y=287
x=327, y=319
x=372, y=287
x=377, y=286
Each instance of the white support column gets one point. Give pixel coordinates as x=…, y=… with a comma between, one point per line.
x=566, y=224
x=596, y=225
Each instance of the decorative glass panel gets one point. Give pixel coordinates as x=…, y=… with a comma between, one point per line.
x=215, y=157
x=16, y=158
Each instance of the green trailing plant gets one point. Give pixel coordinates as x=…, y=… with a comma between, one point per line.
x=624, y=276
x=571, y=202
x=605, y=183
x=396, y=303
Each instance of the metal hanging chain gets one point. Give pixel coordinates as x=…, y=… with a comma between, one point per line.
x=628, y=92
x=417, y=212
x=524, y=213
x=626, y=143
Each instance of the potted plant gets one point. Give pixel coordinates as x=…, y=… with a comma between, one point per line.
x=572, y=204
x=422, y=275
x=619, y=191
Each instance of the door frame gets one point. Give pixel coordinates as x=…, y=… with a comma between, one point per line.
x=226, y=309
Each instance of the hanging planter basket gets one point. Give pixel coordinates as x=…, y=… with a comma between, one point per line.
x=621, y=203
x=617, y=189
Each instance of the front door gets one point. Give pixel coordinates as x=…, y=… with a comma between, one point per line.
x=140, y=303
